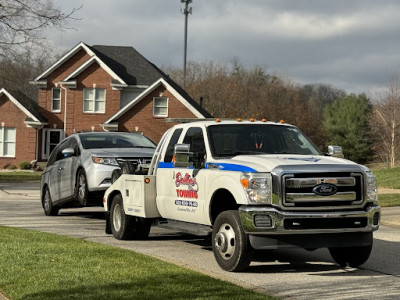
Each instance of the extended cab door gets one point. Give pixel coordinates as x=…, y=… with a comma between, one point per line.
x=181, y=191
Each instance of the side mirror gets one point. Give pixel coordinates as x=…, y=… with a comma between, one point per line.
x=68, y=152
x=181, y=156
x=335, y=151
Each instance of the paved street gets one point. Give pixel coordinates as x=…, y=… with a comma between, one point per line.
x=293, y=273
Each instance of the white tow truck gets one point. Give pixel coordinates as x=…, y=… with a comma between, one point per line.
x=250, y=185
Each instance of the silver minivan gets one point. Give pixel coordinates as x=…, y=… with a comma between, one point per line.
x=80, y=168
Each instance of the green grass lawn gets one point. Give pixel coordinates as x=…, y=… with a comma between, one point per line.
x=389, y=200
x=388, y=178
x=19, y=176
x=35, y=265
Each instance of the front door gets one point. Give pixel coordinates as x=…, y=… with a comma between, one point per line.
x=182, y=193
x=50, y=139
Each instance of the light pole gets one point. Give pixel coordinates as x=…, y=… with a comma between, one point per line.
x=186, y=10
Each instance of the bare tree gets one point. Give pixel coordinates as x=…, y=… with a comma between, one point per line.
x=22, y=22
x=23, y=50
x=385, y=123
x=233, y=90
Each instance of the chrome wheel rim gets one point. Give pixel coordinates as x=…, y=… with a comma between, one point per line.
x=225, y=241
x=82, y=187
x=117, y=215
x=47, y=201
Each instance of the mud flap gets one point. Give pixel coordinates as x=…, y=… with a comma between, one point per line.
x=108, y=223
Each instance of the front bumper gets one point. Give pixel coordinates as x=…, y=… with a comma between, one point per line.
x=271, y=221
x=99, y=177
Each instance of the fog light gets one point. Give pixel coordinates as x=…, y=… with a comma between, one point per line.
x=376, y=218
x=263, y=221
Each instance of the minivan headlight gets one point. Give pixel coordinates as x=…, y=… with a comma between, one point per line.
x=258, y=187
x=105, y=160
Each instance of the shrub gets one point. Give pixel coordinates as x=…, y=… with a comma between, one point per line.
x=10, y=167
x=24, y=165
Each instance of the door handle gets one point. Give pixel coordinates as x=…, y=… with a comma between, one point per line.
x=60, y=169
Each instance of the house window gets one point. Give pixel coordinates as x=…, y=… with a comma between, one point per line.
x=160, y=107
x=56, y=100
x=7, y=142
x=94, y=100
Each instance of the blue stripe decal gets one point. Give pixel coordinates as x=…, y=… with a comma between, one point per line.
x=221, y=166
x=168, y=165
x=165, y=165
x=232, y=167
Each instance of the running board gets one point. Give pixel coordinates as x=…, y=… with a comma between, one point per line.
x=191, y=228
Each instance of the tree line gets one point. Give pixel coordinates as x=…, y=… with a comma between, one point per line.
x=367, y=131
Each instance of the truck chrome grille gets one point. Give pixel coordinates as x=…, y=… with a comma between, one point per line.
x=322, y=190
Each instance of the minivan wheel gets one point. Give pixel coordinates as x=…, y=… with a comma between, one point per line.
x=115, y=175
x=47, y=203
x=82, y=191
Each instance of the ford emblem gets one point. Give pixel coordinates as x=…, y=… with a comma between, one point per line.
x=325, y=189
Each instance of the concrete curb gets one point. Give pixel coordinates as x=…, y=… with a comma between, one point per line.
x=2, y=297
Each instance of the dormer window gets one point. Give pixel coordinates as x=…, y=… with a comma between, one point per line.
x=56, y=100
x=160, y=107
x=94, y=100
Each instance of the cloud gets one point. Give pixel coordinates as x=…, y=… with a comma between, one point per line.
x=349, y=44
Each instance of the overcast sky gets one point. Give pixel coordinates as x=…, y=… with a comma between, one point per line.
x=350, y=44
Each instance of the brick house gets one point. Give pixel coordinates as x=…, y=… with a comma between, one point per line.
x=92, y=88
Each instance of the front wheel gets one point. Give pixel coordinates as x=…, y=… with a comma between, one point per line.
x=115, y=175
x=231, y=246
x=81, y=192
x=47, y=203
x=125, y=227
x=354, y=256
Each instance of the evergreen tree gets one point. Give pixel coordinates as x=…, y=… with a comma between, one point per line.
x=346, y=125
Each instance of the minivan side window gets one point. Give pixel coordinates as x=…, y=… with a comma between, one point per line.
x=74, y=145
x=64, y=144
x=52, y=157
x=169, y=153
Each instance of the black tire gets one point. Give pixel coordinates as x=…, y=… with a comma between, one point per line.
x=81, y=188
x=47, y=203
x=231, y=246
x=127, y=167
x=353, y=256
x=125, y=227
x=115, y=175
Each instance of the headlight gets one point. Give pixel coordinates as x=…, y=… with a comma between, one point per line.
x=372, y=195
x=105, y=160
x=258, y=187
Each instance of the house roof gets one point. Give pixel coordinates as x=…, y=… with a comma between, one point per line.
x=125, y=64
x=26, y=104
x=127, y=67
x=129, y=64
x=188, y=102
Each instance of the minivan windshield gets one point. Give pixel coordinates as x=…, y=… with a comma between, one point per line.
x=247, y=139
x=98, y=140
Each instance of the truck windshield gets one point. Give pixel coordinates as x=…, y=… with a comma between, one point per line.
x=242, y=139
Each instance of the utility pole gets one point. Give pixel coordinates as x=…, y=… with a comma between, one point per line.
x=186, y=10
